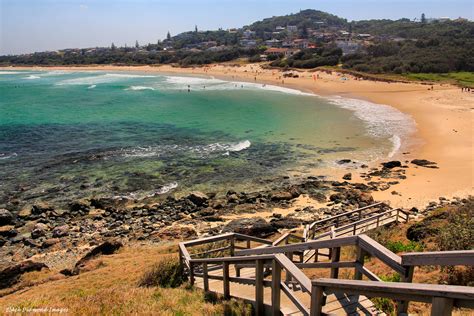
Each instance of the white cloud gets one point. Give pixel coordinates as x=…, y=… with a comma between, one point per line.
x=83, y=7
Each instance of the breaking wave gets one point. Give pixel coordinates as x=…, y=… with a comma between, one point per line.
x=382, y=121
x=105, y=78
x=199, y=150
x=32, y=77
x=139, y=88
x=7, y=156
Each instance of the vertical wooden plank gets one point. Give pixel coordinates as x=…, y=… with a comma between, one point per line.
x=205, y=277
x=402, y=306
x=248, y=244
x=335, y=256
x=441, y=306
x=360, y=214
x=259, y=287
x=232, y=246
x=317, y=301
x=398, y=214
x=191, y=273
x=276, y=287
x=360, y=260
x=225, y=281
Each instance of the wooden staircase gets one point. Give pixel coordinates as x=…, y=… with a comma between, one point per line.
x=271, y=275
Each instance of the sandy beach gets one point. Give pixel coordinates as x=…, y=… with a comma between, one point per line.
x=444, y=119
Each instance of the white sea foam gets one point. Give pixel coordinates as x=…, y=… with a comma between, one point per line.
x=199, y=150
x=139, y=88
x=105, y=78
x=382, y=121
x=32, y=77
x=92, y=86
x=196, y=83
x=13, y=72
x=7, y=156
x=165, y=189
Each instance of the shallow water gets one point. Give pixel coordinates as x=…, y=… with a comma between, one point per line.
x=66, y=135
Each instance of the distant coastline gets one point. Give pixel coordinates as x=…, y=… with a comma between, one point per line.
x=449, y=144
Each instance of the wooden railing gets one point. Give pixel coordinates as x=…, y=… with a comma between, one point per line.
x=278, y=256
x=442, y=297
x=325, y=224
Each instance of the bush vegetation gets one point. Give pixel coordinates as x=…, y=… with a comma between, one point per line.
x=167, y=273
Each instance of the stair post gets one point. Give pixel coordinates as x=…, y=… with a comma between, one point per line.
x=205, y=277
x=276, y=287
x=225, y=280
x=360, y=260
x=335, y=256
x=317, y=301
x=402, y=306
x=259, y=287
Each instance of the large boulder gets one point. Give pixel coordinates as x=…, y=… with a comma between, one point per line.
x=6, y=217
x=250, y=226
x=39, y=230
x=106, y=248
x=10, y=275
x=176, y=232
x=286, y=195
x=60, y=231
x=198, y=198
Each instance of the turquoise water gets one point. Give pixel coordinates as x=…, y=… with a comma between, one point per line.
x=66, y=135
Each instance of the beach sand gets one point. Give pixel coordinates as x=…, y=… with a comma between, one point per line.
x=444, y=119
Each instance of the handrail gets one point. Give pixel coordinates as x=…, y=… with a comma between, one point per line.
x=442, y=297
x=310, y=229
x=345, y=214
x=439, y=258
x=309, y=245
x=354, y=225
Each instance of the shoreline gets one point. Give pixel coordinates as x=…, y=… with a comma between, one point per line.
x=443, y=116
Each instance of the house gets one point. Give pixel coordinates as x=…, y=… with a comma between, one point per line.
x=273, y=43
x=348, y=46
x=286, y=52
x=248, y=33
x=364, y=36
x=248, y=43
x=279, y=28
x=292, y=28
x=232, y=30
x=300, y=43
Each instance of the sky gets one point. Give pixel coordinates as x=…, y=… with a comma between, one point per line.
x=38, y=25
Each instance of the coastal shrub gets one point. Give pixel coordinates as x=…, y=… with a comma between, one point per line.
x=384, y=304
x=399, y=246
x=167, y=273
x=458, y=232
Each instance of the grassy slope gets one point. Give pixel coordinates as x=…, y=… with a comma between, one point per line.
x=464, y=79
x=110, y=287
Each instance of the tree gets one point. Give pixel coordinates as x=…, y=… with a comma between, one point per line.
x=195, y=28
x=113, y=47
x=423, y=18
x=168, y=36
x=136, y=44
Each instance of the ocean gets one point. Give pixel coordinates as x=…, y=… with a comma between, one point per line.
x=68, y=135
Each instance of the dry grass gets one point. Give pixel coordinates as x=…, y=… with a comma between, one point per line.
x=111, y=289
